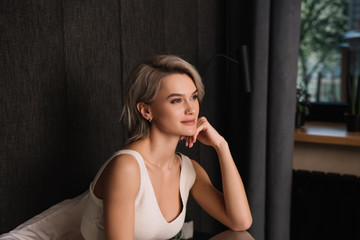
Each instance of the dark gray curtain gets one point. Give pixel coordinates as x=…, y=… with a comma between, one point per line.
x=267, y=114
x=272, y=113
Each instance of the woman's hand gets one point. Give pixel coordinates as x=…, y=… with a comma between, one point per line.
x=205, y=133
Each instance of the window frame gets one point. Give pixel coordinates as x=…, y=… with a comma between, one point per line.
x=327, y=112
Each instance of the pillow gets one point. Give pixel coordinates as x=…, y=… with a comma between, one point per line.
x=61, y=221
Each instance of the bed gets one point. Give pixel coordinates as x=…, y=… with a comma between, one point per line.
x=61, y=221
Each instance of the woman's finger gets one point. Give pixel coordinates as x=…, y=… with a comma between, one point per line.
x=188, y=141
x=200, y=127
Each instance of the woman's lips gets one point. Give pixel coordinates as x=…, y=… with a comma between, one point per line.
x=189, y=122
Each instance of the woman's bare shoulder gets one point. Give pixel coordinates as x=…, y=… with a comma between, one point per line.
x=122, y=168
x=124, y=163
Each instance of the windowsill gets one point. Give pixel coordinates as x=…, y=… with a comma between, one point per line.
x=327, y=133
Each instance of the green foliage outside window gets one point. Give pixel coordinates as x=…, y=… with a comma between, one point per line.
x=322, y=23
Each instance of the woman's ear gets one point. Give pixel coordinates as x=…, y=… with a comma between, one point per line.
x=144, y=110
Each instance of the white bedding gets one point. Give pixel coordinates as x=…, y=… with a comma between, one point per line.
x=61, y=221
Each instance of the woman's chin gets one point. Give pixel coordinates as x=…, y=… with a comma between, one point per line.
x=189, y=133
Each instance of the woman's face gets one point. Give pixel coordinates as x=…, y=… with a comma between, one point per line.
x=175, y=109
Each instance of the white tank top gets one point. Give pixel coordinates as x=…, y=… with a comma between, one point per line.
x=149, y=221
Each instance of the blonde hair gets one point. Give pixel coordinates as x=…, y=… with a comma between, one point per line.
x=143, y=85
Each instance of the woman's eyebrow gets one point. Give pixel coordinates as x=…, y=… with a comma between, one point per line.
x=181, y=95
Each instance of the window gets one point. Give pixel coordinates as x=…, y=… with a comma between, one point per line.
x=321, y=55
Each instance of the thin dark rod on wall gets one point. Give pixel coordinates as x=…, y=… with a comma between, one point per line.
x=244, y=62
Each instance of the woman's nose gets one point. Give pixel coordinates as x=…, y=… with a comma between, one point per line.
x=190, y=109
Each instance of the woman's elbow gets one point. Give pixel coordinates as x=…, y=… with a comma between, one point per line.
x=241, y=225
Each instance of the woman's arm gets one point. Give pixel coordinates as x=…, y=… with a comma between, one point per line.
x=121, y=186
x=230, y=207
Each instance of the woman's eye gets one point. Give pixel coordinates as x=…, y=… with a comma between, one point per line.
x=177, y=100
x=195, y=97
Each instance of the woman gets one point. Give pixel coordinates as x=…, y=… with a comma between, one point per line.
x=141, y=191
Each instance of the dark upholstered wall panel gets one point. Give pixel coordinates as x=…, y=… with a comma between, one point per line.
x=142, y=32
x=32, y=131
x=181, y=29
x=93, y=83
x=61, y=101
x=63, y=64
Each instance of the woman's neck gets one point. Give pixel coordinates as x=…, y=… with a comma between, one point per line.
x=159, y=151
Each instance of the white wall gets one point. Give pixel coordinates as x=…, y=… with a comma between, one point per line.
x=327, y=158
